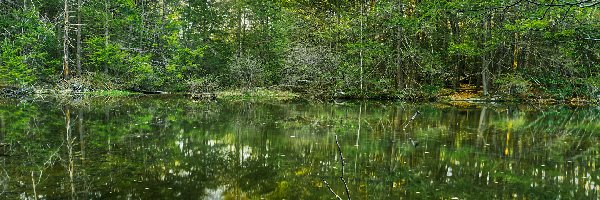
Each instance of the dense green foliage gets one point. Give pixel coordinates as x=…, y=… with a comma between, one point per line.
x=397, y=48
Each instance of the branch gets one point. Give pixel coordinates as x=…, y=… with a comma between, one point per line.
x=547, y=9
x=504, y=8
x=331, y=190
x=514, y=4
x=341, y=156
x=346, y=184
x=342, y=176
x=411, y=119
x=580, y=4
x=343, y=164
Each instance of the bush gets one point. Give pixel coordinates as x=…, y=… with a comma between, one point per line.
x=141, y=74
x=311, y=69
x=513, y=84
x=246, y=71
x=593, y=87
x=203, y=85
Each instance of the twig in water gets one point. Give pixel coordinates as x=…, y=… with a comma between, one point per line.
x=343, y=165
x=331, y=190
x=341, y=156
x=346, y=185
x=342, y=176
x=411, y=119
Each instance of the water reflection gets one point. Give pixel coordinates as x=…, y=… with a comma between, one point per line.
x=171, y=148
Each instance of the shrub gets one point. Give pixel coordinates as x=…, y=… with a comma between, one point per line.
x=593, y=87
x=311, y=69
x=202, y=85
x=513, y=84
x=246, y=71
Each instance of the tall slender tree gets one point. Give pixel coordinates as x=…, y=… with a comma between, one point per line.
x=361, y=46
x=79, y=37
x=106, y=27
x=485, y=72
x=66, y=41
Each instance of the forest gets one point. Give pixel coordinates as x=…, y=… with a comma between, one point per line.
x=395, y=49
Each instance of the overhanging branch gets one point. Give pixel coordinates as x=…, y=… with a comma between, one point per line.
x=580, y=4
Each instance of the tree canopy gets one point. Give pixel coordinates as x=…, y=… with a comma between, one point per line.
x=390, y=49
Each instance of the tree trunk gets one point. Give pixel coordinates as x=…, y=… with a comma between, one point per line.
x=66, y=42
x=142, y=26
x=79, y=38
x=238, y=33
x=399, y=71
x=361, y=47
x=457, y=57
x=161, y=43
x=515, y=63
x=106, y=31
x=484, y=62
x=485, y=78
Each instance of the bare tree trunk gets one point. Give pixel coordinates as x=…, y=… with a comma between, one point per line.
x=361, y=47
x=238, y=34
x=399, y=72
x=485, y=78
x=66, y=41
x=106, y=31
x=161, y=43
x=78, y=37
x=34, y=186
x=455, y=33
x=515, y=63
x=142, y=27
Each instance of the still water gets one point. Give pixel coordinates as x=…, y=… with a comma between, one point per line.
x=169, y=147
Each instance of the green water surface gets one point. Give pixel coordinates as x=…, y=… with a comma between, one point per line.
x=169, y=147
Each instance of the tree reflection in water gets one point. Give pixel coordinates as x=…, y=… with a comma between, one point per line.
x=171, y=148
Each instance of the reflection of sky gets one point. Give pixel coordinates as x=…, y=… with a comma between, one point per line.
x=214, y=194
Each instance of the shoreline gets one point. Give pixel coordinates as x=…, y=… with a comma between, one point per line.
x=283, y=95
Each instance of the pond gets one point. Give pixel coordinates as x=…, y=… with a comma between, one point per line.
x=169, y=147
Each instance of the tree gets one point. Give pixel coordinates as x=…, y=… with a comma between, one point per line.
x=66, y=41
x=79, y=38
x=389, y=49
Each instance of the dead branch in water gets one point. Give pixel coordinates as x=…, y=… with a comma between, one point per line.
x=331, y=190
x=342, y=161
x=411, y=119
